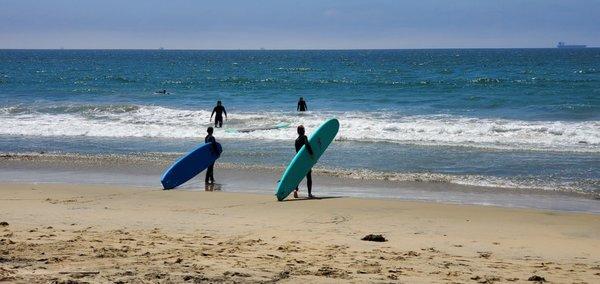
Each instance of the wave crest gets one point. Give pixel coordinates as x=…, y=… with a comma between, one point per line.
x=156, y=121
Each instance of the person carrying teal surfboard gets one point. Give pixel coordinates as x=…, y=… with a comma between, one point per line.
x=302, y=140
x=309, y=150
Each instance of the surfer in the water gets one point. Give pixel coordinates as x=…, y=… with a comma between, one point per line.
x=302, y=140
x=301, y=105
x=219, y=110
x=210, y=139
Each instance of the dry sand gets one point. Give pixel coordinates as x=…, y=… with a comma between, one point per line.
x=83, y=233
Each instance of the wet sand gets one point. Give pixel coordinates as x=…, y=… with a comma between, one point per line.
x=145, y=169
x=103, y=233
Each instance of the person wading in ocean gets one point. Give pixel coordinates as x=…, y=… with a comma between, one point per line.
x=302, y=140
x=210, y=178
x=219, y=110
x=302, y=105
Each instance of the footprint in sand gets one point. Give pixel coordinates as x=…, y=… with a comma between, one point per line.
x=366, y=267
x=332, y=272
x=338, y=219
x=289, y=247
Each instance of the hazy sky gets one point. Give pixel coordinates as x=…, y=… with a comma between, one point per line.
x=307, y=24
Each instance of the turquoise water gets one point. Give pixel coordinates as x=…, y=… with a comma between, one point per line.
x=527, y=118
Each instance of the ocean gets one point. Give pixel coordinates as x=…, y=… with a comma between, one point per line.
x=500, y=118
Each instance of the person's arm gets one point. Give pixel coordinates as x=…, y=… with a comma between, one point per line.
x=225, y=112
x=213, y=112
x=214, y=145
x=298, y=106
x=308, y=147
x=305, y=106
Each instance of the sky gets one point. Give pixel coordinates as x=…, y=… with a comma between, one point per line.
x=307, y=24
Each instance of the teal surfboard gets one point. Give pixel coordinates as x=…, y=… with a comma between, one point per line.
x=303, y=162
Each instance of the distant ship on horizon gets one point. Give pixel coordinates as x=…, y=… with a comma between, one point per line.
x=562, y=44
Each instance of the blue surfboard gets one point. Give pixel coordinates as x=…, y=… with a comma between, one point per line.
x=303, y=161
x=191, y=164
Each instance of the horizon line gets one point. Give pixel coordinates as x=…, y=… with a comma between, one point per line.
x=290, y=49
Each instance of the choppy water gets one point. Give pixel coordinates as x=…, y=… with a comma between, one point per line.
x=525, y=118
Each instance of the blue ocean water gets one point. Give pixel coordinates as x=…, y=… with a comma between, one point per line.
x=527, y=118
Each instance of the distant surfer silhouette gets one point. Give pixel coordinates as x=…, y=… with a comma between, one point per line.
x=302, y=140
x=302, y=105
x=219, y=110
x=209, y=171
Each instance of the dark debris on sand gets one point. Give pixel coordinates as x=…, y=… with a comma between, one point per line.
x=536, y=278
x=374, y=238
x=3, y=224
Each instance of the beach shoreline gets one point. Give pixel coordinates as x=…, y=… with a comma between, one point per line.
x=144, y=170
x=116, y=233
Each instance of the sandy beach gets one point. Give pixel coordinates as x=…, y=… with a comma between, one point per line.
x=429, y=142
x=88, y=233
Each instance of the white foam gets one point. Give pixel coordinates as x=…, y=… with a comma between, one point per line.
x=162, y=122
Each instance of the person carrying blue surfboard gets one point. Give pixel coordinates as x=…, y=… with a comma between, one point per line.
x=210, y=139
x=302, y=140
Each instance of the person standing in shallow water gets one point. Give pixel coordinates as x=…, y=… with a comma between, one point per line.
x=219, y=110
x=302, y=105
x=210, y=139
x=302, y=140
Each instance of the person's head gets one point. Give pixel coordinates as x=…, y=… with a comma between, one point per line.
x=210, y=130
x=301, y=98
x=218, y=103
x=301, y=130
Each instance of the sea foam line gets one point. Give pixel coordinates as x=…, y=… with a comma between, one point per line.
x=444, y=130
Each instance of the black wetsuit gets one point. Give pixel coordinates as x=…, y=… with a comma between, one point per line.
x=301, y=106
x=209, y=172
x=219, y=110
x=303, y=141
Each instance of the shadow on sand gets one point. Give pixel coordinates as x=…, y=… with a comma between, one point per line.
x=212, y=187
x=314, y=198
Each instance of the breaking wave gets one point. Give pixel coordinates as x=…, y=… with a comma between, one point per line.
x=163, y=122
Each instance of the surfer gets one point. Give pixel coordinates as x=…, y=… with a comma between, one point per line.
x=302, y=140
x=210, y=139
x=301, y=105
x=219, y=110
